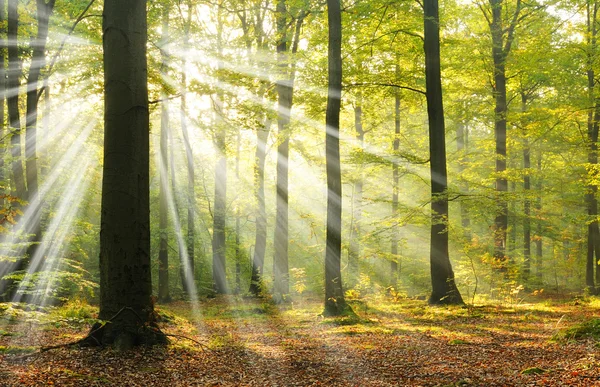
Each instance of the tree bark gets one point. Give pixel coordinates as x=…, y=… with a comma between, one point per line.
x=539, y=227
x=125, y=274
x=335, y=304
x=444, y=290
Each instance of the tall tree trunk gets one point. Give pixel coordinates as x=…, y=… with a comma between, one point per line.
x=592, y=137
x=335, y=304
x=442, y=277
x=500, y=49
x=38, y=59
x=395, y=182
x=527, y=201
x=163, y=252
x=462, y=145
x=262, y=136
x=3, y=188
x=539, y=226
x=238, y=231
x=220, y=203
x=260, y=241
x=125, y=270
x=357, y=194
x=188, y=277
x=14, y=118
x=284, y=94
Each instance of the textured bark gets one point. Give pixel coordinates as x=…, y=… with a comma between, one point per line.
x=125, y=275
x=444, y=290
x=335, y=303
x=163, y=250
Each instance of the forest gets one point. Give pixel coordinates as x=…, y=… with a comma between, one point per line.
x=299, y=193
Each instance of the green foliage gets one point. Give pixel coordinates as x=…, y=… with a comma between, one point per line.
x=587, y=330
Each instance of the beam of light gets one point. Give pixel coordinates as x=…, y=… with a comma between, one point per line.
x=12, y=245
x=47, y=258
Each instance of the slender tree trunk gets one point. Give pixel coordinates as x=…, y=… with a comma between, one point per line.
x=163, y=253
x=220, y=203
x=238, y=251
x=189, y=156
x=527, y=201
x=442, y=277
x=357, y=193
x=395, y=183
x=284, y=93
x=260, y=241
x=14, y=118
x=539, y=227
x=335, y=303
x=125, y=275
x=500, y=50
x=462, y=145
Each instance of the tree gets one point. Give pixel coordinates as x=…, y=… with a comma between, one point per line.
x=163, y=252
x=335, y=304
x=502, y=40
x=125, y=276
x=442, y=277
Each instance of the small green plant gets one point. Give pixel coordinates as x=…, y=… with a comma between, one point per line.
x=299, y=276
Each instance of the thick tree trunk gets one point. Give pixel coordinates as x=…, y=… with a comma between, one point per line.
x=163, y=251
x=3, y=188
x=444, y=290
x=593, y=234
x=125, y=274
x=335, y=303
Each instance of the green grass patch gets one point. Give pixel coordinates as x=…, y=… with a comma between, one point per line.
x=587, y=329
x=533, y=371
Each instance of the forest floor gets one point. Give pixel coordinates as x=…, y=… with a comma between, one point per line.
x=248, y=342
